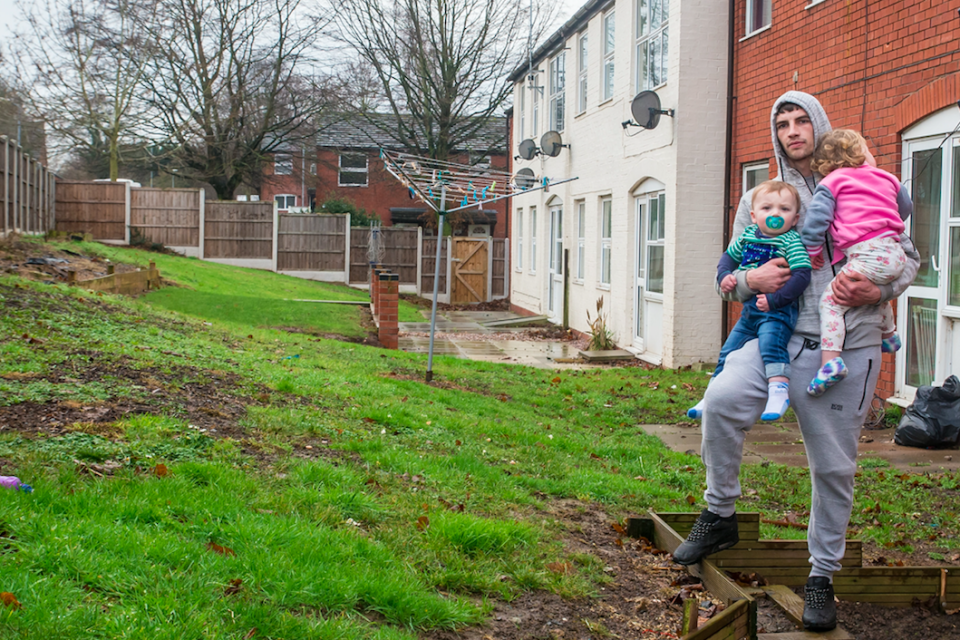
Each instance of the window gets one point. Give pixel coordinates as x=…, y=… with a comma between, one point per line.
x=656, y=211
x=754, y=174
x=533, y=239
x=353, y=170
x=582, y=67
x=581, y=238
x=519, y=239
x=313, y=168
x=608, y=54
x=285, y=201
x=282, y=164
x=652, y=43
x=758, y=15
x=523, y=113
x=557, y=71
x=606, y=240
x=535, y=119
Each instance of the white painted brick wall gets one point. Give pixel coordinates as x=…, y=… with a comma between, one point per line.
x=685, y=153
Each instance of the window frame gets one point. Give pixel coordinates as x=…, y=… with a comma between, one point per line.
x=581, y=207
x=285, y=161
x=609, y=49
x=750, y=16
x=286, y=204
x=533, y=239
x=656, y=237
x=752, y=167
x=646, y=36
x=582, y=61
x=556, y=82
x=522, y=133
x=365, y=170
x=535, y=116
x=519, y=228
x=606, y=243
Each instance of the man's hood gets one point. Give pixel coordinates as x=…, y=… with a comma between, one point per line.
x=818, y=117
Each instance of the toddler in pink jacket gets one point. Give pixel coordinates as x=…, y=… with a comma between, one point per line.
x=863, y=208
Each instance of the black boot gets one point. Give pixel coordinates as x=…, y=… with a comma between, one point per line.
x=710, y=534
x=819, y=607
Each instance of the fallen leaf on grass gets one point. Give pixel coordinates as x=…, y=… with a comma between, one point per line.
x=691, y=500
x=616, y=526
x=236, y=586
x=561, y=568
x=224, y=551
x=423, y=522
x=250, y=634
x=10, y=600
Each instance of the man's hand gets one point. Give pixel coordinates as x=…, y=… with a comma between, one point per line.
x=854, y=290
x=729, y=283
x=762, y=303
x=769, y=277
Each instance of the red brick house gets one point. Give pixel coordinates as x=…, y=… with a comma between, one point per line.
x=890, y=69
x=346, y=164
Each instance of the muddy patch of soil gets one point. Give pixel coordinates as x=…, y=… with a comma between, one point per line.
x=43, y=263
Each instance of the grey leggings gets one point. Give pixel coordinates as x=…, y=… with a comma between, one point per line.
x=830, y=426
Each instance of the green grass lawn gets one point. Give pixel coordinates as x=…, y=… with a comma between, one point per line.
x=347, y=499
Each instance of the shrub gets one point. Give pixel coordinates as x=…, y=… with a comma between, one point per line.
x=601, y=337
x=358, y=216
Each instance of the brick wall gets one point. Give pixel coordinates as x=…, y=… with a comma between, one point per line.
x=877, y=66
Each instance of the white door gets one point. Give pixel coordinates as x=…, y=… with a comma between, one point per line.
x=555, y=277
x=639, y=274
x=649, y=291
x=927, y=313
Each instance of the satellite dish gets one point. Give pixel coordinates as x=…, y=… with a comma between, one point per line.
x=646, y=109
x=528, y=149
x=551, y=143
x=525, y=178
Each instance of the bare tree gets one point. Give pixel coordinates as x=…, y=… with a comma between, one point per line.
x=232, y=83
x=440, y=66
x=78, y=66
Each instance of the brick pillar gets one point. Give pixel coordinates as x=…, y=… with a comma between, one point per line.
x=388, y=300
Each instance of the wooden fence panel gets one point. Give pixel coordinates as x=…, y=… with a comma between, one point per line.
x=25, y=191
x=400, y=253
x=238, y=230
x=97, y=208
x=359, y=262
x=499, y=277
x=429, y=261
x=311, y=242
x=168, y=216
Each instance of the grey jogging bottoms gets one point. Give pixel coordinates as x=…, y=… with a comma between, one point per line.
x=830, y=426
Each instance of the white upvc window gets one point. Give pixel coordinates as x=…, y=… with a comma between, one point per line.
x=282, y=164
x=652, y=43
x=535, y=118
x=582, y=68
x=557, y=69
x=523, y=113
x=606, y=241
x=353, y=170
x=758, y=16
x=581, y=239
x=519, y=234
x=609, y=50
x=754, y=174
x=656, y=229
x=285, y=201
x=533, y=239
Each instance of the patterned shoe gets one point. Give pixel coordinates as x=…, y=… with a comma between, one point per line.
x=891, y=344
x=830, y=374
x=819, y=607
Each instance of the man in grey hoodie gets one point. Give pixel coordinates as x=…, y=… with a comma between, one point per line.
x=830, y=424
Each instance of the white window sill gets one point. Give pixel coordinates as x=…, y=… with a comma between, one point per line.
x=755, y=33
x=361, y=186
x=603, y=287
x=578, y=282
x=608, y=100
x=814, y=4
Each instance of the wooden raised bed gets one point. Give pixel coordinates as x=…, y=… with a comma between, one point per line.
x=128, y=283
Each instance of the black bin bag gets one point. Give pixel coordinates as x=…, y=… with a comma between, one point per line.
x=933, y=420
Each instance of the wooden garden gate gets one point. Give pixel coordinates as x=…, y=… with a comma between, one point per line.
x=469, y=270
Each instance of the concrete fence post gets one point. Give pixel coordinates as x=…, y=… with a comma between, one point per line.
x=202, y=221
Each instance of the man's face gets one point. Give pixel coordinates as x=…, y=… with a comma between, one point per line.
x=775, y=212
x=795, y=132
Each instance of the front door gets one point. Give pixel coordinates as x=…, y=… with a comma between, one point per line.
x=929, y=310
x=555, y=277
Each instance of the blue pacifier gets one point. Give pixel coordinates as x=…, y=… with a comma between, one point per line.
x=775, y=222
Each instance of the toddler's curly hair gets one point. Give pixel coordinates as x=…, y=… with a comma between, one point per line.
x=837, y=149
